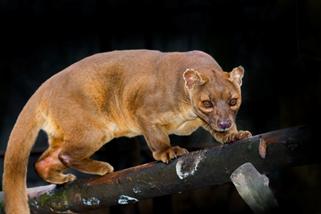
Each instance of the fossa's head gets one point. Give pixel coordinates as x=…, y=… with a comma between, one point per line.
x=215, y=95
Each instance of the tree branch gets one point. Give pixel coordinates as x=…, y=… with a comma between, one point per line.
x=213, y=166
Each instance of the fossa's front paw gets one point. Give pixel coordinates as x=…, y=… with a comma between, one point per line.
x=243, y=134
x=168, y=154
x=239, y=136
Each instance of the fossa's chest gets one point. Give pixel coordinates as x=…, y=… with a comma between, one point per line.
x=183, y=123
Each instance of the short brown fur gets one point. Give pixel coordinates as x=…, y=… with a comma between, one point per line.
x=114, y=94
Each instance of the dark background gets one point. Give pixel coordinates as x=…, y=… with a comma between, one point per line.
x=277, y=41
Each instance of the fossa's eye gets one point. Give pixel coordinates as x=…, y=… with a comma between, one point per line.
x=232, y=102
x=207, y=104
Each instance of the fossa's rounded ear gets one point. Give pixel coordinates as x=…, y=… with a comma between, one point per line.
x=237, y=74
x=192, y=78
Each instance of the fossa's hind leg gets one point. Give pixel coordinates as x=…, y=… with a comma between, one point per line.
x=86, y=165
x=50, y=168
x=83, y=133
x=80, y=146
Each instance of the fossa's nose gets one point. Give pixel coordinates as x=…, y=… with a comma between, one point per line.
x=224, y=124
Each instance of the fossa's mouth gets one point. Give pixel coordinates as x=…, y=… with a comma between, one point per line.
x=214, y=128
x=221, y=130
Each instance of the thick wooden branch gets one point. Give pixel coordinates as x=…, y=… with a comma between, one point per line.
x=212, y=166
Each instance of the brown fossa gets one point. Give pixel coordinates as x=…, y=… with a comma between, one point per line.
x=114, y=94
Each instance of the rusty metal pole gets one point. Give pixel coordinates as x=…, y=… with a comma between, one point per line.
x=213, y=166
